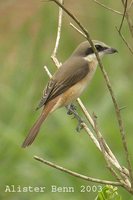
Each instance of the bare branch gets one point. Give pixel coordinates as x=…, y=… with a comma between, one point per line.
x=124, y=13
x=78, y=30
x=48, y=72
x=130, y=24
x=103, y=149
x=110, y=9
x=87, y=178
x=129, y=21
x=53, y=56
x=89, y=118
x=130, y=5
x=72, y=16
x=91, y=135
x=124, y=40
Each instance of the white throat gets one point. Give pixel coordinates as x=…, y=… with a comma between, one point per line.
x=92, y=57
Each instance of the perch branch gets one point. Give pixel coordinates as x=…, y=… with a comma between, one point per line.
x=87, y=178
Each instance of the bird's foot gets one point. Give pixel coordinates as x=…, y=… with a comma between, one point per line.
x=79, y=126
x=71, y=109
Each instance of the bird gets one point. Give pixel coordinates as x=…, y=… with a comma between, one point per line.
x=68, y=82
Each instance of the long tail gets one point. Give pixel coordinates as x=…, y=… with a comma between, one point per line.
x=36, y=127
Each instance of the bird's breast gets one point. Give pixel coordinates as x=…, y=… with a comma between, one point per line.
x=76, y=90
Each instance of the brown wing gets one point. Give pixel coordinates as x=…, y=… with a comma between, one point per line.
x=71, y=72
x=46, y=93
x=67, y=83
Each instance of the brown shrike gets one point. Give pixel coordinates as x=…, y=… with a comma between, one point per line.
x=68, y=82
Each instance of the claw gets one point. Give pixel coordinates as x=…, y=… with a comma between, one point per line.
x=79, y=126
x=71, y=109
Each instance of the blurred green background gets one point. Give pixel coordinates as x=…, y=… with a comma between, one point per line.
x=27, y=38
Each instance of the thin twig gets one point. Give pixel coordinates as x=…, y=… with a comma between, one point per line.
x=91, y=135
x=53, y=56
x=124, y=40
x=87, y=178
x=130, y=5
x=47, y=71
x=129, y=21
x=71, y=15
x=78, y=30
x=130, y=24
x=123, y=17
x=123, y=136
x=108, y=8
x=103, y=149
x=89, y=118
x=131, y=31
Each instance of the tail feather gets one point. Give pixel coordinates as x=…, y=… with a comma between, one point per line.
x=36, y=127
x=33, y=131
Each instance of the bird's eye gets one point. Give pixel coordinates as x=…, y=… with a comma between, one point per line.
x=99, y=47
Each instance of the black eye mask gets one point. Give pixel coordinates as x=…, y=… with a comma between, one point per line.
x=98, y=47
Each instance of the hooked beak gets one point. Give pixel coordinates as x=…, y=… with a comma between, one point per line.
x=110, y=50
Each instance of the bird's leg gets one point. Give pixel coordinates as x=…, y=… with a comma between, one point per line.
x=71, y=108
x=72, y=111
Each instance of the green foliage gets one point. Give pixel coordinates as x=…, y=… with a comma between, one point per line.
x=109, y=193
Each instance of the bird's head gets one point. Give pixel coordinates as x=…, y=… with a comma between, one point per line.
x=86, y=51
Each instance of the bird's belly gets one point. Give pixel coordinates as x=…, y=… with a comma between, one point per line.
x=76, y=90
x=69, y=96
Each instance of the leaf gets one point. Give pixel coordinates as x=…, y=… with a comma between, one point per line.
x=108, y=193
